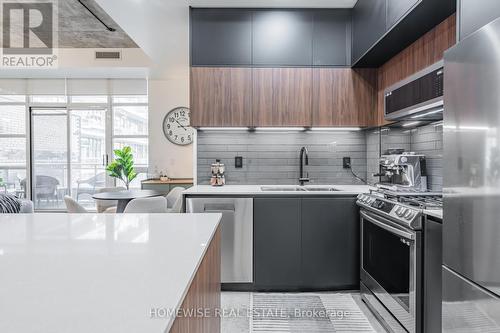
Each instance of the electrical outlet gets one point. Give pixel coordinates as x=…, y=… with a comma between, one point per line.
x=346, y=162
x=238, y=162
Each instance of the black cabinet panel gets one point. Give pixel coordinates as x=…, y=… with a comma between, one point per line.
x=277, y=243
x=332, y=37
x=221, y=37
x=474, y=14
x=282, y=38
x=396, y=9
x=330, y=243
x=369, y=25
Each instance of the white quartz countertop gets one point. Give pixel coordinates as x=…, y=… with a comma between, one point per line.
x=98, y=273
x=256, y=190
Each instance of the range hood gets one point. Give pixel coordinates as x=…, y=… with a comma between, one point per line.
x=419, y=97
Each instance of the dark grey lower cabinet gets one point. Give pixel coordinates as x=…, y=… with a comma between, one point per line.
x=306, y=244
x=330, y=243
x=276, y=243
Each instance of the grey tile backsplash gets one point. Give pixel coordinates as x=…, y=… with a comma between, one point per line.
x=273, y=157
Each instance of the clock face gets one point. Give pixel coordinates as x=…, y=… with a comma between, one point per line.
x=176, y=127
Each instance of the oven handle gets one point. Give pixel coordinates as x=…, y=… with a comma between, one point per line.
x=388, y=227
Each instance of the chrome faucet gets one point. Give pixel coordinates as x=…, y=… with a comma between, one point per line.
x=303, y=179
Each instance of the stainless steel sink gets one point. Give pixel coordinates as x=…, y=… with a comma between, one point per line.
x=284, y=188
x=321, y=189
x=294, y=188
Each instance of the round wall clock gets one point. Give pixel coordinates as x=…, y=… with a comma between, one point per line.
x=176, y=127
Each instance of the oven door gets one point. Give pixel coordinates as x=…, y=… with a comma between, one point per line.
x=390, y=260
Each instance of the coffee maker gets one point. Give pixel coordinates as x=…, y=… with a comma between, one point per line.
x=403, y=171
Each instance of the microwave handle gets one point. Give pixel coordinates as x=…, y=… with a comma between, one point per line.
x=388, y=227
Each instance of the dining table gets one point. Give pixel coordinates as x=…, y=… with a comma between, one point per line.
x=124, y=197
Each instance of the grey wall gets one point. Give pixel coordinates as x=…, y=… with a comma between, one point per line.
x=273, y=158
x=428, y=140
x=372, y=154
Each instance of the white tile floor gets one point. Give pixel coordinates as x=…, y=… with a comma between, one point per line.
x=238, y=319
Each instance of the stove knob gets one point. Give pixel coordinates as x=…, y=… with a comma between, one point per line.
x=398, y=211
x=409, y=215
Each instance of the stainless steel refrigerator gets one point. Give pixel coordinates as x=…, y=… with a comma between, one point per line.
x=471, y=228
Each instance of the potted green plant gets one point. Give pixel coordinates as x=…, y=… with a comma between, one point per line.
x=122, y=167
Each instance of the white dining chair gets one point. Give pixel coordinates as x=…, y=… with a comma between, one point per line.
x=147, y=205
x=72, y=206
x=107, y=206
x=173, y=198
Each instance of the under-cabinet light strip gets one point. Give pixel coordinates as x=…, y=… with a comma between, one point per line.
x=223, y=129
x=281, y=129
x=334, y=129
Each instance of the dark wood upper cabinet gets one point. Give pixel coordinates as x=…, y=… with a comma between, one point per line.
x=282, y=38
x=221, y=97
x=221, y=37
x=332, y=37
x=397, y=9
x=474, y=14
x=368, y=25
x=343, y=97
x=282, y=96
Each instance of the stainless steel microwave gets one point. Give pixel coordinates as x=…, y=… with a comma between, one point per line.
x=419, y=97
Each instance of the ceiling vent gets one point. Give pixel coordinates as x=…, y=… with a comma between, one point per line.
x=113, y=55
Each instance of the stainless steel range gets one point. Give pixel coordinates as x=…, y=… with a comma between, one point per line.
x=394, y=249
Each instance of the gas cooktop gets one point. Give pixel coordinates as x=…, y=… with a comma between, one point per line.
x=403, y=207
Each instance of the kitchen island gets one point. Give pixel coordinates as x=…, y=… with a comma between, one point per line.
x=105, y=273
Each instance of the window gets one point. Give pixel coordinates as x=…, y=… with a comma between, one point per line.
x=13, y=144
x=49, y=99
x=130, y=128
x=98, y=99
x=75, y=125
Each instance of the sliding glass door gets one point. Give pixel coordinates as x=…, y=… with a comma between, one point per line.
x=49, y=157
x=69, y=155
x=88, y=153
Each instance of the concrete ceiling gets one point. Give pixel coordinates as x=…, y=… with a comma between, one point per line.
x=78, y=28
x=274, y=3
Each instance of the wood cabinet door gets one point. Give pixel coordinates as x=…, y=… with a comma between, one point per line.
x=221, y=96
x=344, y=97
x=282, y=96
